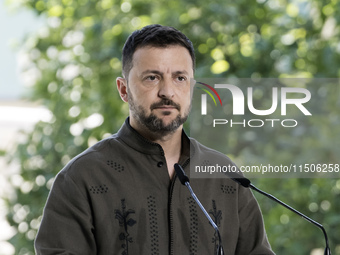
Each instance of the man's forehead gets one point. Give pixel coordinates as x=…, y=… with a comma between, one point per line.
x=145, y=51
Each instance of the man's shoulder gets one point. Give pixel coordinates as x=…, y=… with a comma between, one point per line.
x=200, y=150
x=94, y=156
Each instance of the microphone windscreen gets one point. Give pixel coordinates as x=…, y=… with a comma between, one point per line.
x=242, y=181
x=180, y=173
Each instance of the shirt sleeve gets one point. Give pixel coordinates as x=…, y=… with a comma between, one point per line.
x=252, y=236
x=66, y=226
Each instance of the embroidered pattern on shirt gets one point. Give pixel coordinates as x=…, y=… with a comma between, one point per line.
x=226, y=189
x=125, y=221
x=153, y=225
x=193, y=226
x=217, y=217
x=101, y=189
x=116, y=166
x=206, y=162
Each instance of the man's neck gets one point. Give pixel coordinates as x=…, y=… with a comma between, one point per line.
x=171, y=142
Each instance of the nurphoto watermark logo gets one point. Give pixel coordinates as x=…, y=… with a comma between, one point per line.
x=270, y=127
x=240, y=101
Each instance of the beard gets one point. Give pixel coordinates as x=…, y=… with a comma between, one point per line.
x=151, y=121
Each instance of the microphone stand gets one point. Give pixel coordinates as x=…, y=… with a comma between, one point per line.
x=183, y=178
x=247, y=184
x=220, y=248
x=327, y=249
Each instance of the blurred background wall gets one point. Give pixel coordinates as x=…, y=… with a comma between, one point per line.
x=16, y=113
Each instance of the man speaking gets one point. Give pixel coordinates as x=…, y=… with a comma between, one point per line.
x=122, y=196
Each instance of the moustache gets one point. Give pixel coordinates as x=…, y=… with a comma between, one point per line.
x=165, y=102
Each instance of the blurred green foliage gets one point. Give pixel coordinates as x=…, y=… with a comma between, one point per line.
x=75, y=59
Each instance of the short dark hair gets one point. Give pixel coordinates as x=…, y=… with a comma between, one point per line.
x=154, y=36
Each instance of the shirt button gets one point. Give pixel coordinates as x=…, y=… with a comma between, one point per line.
x=160, y=164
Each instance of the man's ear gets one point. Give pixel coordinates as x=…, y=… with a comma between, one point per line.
x=122, y=88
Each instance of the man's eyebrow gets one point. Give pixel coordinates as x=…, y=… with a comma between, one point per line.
x=181, y=72
x=151, y=71
x=161, y=73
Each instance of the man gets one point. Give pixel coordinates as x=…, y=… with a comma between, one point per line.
x=122, y=196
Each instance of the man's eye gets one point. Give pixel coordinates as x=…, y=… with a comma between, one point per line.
x=151, y=78
x=181, y=78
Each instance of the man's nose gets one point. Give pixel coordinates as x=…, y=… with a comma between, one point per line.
x=166, y=89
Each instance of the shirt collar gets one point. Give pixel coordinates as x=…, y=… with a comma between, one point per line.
x=136, y=141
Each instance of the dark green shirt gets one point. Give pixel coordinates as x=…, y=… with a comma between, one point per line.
x=117, y=198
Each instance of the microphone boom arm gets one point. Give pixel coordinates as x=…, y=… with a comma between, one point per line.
x=201, y=206
x=204, y=211
x=327, y=249
x=185, y=181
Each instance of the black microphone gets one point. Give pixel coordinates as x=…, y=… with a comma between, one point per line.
x=183, y=178
x=247, y=184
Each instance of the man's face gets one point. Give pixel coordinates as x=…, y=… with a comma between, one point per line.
x=158, y=89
